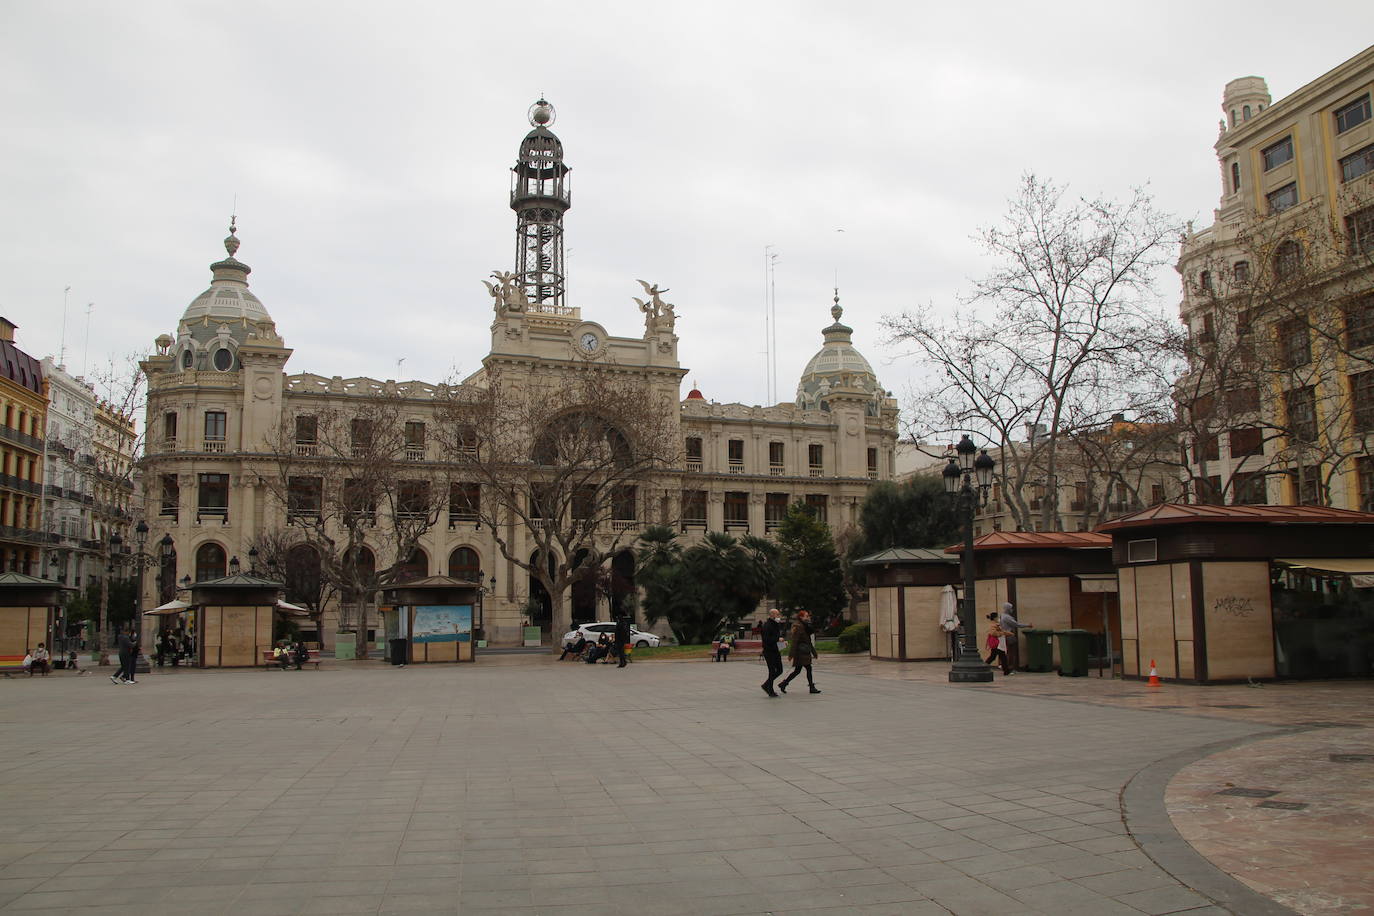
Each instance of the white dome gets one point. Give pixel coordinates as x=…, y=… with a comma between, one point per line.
x=836, y=365
x=228, y=299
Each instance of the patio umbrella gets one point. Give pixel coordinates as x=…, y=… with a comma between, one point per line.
x=168, y=609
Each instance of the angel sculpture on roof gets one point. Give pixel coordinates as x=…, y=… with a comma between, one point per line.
x=658, y=315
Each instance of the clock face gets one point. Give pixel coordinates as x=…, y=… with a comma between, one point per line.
x=589, y=341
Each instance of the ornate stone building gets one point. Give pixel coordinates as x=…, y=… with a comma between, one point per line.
x=1279, y=299
x=219, y=398
x=24, y=397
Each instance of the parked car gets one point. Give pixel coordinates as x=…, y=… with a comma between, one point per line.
x=592, y=631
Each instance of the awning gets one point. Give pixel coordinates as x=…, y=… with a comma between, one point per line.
x=1359, y=569
x=291, y=609
x=168, y=609
x=1097, y=582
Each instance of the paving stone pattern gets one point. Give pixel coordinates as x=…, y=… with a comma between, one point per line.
x=663, y=788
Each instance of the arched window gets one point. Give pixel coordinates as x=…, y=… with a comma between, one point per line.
x=1235, y=177
x=1245, y=112
x=188, y=358
x=210, y=562
x=464, y=563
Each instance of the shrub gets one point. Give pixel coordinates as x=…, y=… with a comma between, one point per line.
x=854, y=638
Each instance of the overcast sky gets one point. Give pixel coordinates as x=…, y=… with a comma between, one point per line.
x=368, y=146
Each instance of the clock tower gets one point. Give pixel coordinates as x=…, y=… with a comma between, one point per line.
x=539, y=195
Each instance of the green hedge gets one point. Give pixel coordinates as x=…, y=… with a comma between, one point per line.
x=854, y=638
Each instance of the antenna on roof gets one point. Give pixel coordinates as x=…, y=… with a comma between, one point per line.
x=86, y=355
x=62, y=350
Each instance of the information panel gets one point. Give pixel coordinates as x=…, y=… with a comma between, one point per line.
x=442, y=623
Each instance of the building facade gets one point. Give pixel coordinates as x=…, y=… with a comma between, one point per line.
x=24, y=395
x=222, y=409
x=1279, y=299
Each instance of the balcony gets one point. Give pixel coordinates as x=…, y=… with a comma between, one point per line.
x=872, y=473
x=736, y=524
x=776, y=470
x=462, y=517
x=815, y=470
x=624, y=524
x=693, y=465
x=307, y=449
x=772, y=524
x=214, y=446
x=209, y=514
x=688, y=523
x=415, y=453
x=736, y=467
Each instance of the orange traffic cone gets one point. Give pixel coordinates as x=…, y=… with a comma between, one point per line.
x=1154, y=675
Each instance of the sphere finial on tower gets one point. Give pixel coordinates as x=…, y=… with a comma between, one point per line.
x=835, y=310
x=541, y=113
x=231, y=243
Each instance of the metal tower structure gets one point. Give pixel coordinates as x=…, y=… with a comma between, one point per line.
x=539, y=195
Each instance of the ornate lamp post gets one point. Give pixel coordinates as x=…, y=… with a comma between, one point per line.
x=967, y=481
x=141, y=560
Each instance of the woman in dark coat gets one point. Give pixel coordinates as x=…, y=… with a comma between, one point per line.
x=800, y=651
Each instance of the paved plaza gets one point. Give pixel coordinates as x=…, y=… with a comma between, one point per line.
x=521, y=785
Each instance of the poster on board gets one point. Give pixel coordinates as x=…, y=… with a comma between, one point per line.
x=442, y=623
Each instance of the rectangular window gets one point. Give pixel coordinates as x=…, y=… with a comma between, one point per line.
x=1241, y=273
x=815, y=459
x=736, y=510
x=775, y=458
x=1208, y=490
x=464, y=502
x=583, y=503
x=1156, y=493
x=1250, y=490
x=1242, y=400
x=1359, y=231
x=360, y=432
x=1307, y=485
x=415, y=434
x=1352, y=113
x=693, y=448
x=169, y=426
x=1204, y=405
x=774, y=509
x=1206, y=331
x=359, y=503
x=1364, y=469
x=873, y=464
x=1080, y=496
x=1295, y=343
x=1146, y=551
x=216, y=423
x=412, y=500
x=1360, y=162
x=1247, y=441
x=213, y=496
x=304, y=497
x=1359, y=322
x=736, y=455
x=1277, y=154
x=1362, y=400
x=624, y=504
x=171, y=496
x=466, y=436
x=1283, y=198
x=694, y=508
x=1208, y=448
x=817, y=503
x=1300, y=406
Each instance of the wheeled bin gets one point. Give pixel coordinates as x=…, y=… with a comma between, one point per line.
x=1073, y=652
x=1039, y=649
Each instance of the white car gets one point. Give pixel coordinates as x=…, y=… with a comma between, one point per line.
x=592, y=631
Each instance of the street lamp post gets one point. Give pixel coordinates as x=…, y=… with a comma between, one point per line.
x=142, y=560
x=967, y=481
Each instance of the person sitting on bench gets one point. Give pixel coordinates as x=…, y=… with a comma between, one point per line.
x=574, y=648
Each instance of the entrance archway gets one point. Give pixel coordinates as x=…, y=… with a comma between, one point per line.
x=622, y=582
x=540, y=606
x=584, y=593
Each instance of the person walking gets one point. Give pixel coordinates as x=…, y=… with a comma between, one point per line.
x=801, y=651
x=622, y=639
x=127, y=644
x=772, y=656
x=997, y=644
x=1011, y=625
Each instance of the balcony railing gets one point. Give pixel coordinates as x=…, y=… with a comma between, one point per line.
x=733, y=524
x=307, y=449
x=693, y=523
x=736, y=467
x=772, y=524
x=872, y=473
x=815, y=470
x=213, y=445
x=776, y=470
x=694, y=465
x=462, y=517
x=415, y=453
x=623, y=524
x=212, y=513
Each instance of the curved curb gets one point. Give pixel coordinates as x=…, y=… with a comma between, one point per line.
x=1148, y=823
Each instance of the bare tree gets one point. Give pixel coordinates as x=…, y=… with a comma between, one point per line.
x=1059, y=336
x=354, y=483
x=560, y=469
x=287, y=557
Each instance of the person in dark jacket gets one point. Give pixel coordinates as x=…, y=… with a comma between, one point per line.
x=128, y=653
x=801, y=651
x=772, y=656
x=302, y=654
x=622, y=638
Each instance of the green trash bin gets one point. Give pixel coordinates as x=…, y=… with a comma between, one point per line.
x=1038, y=649
x=1073, y=652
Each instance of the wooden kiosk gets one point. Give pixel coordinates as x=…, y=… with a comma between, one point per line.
x=430, y=620
x=234, y=619
x=910, y=592
x=1225, y=593
x=29, y=611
